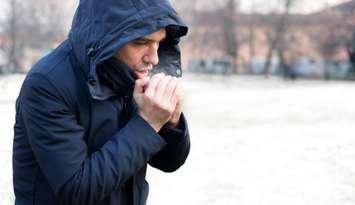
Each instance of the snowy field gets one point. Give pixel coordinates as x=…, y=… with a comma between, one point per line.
x=255, y=141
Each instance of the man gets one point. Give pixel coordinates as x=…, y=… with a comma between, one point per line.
x=89, y=118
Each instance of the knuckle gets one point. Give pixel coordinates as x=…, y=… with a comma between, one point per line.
x=158, y=76
x=147, y=96
x=165, y=107
x=156, y=103
x=171, y=111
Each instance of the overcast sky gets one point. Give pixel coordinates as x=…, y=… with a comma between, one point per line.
x=302, y=6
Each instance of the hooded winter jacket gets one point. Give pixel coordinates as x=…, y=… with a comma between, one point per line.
x=76, y=141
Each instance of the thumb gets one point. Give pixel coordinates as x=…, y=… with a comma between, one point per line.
x=140, y=84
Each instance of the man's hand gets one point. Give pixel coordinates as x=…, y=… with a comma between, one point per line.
x=175, y=117
x=156, y=99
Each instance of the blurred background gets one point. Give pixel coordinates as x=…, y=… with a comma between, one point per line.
x=268, y=94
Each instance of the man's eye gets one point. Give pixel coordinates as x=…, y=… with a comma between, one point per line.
x=140, y=42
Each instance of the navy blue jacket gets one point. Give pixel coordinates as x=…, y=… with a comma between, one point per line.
x=75, y=142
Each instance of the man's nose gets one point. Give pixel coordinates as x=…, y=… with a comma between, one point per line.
x=153, y=54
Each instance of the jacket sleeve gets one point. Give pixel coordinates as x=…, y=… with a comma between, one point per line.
x=174, y=154
x=61, y=152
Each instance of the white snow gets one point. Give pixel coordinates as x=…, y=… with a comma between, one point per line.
x=255, y=141
x=262, y=142
x=9, y=89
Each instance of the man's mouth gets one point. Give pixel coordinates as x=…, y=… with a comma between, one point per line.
x=141, y=73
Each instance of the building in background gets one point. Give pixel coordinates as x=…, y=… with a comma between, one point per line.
x=314, y=45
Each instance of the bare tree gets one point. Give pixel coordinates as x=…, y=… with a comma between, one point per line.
x=187, y=9
x=350, y=25
x=230, y=33
x=12, y=26
x=276, y=39
x=30, y=24
x=251, y=28
x=351, y=52
x=340, y=32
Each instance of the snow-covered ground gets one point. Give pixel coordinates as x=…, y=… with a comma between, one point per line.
x=9, y=89
x=255, y=141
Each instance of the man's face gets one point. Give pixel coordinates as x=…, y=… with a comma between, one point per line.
x=142, y=54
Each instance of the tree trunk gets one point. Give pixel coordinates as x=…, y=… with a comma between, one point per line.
x=278, y=38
